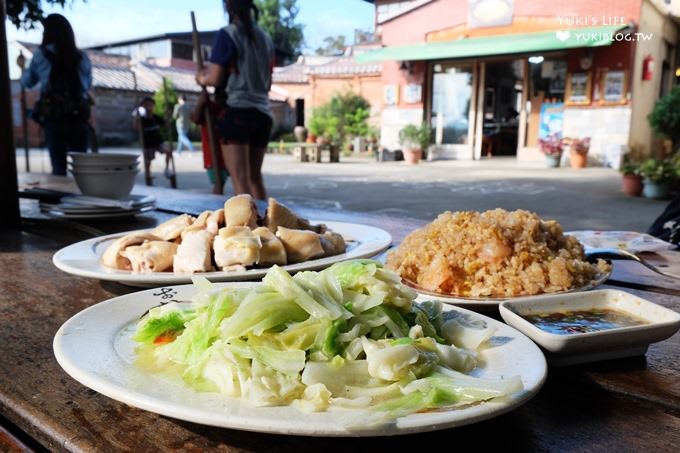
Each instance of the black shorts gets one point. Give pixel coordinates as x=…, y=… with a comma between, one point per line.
x=245, y=127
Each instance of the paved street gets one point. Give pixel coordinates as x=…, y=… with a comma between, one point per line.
x=579, y=199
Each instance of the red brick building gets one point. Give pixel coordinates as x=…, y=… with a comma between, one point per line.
x=492, y=76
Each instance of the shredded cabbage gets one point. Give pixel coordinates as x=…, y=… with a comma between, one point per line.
x=349, y=336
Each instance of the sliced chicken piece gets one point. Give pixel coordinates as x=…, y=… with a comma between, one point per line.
x=215, y=221
x=241, y=210
x=280, y=215
x=112, y=256
x=151, y=256
x=272, y=251
x=172, y=229
x=236, y=245
x=200, y=224
x=202, y=219
x=300, y=245
x=194, y=254
x=332, y=243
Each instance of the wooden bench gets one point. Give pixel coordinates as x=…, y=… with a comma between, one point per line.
x=317, y=153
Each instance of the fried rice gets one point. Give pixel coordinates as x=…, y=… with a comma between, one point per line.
x=493, y=254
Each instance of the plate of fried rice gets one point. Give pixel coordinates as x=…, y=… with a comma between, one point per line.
x=482, y=258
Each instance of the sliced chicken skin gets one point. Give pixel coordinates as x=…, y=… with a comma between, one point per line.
x=300, y=245
x=236, y=245
x=241, y=210
x=200, y=224
x=113, y=258
x=172, y=229
x=151, y=256
x=272, y=251
x=194, y=254
x=280, y=215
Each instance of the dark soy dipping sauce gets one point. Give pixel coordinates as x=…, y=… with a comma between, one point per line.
x=573, y=322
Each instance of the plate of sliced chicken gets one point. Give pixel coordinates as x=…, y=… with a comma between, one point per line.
x=229, y=244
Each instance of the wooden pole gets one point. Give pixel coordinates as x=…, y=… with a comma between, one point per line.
x=9, y=186
x=21, y=62
x=209, y=123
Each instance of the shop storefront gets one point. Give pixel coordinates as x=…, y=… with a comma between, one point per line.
x=495, y=91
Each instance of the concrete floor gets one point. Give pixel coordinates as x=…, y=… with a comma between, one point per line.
x=578, y=199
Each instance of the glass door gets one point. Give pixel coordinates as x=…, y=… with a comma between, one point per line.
x=451, y=109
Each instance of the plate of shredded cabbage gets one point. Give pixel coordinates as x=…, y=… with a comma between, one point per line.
x=347, y=351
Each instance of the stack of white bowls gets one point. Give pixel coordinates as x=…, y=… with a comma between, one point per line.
x=108, y=175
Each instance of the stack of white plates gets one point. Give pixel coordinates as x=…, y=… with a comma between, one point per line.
x=108, y=175
x=84, y=207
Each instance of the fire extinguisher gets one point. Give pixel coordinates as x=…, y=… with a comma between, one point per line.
x=648, y=68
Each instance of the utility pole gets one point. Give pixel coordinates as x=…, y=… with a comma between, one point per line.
x=9, y=186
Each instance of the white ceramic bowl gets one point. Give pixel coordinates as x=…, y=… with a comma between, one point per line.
x=592, y=346
x=102, y=167
x=103, y=158
x=107, y=184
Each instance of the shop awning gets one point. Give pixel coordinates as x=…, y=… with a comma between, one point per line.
x=497, y=45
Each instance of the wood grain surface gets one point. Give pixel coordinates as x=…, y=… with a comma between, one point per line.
x=625, y=405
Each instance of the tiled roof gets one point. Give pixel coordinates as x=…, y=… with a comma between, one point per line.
x=116, y=72
x=294, y=73
x=182, y=79
x=299, y=71
x=345, y=66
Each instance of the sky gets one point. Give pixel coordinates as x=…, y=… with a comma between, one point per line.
x=101, y=21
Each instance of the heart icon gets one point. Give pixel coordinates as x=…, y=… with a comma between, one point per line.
x=563, y=35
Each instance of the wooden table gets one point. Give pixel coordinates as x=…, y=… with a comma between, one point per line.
x=621, y=405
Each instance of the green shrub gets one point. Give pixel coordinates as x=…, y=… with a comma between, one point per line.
x=665, y=118
x=343, y=117
x=412, y=136
x=324, y=124
x=658, y=170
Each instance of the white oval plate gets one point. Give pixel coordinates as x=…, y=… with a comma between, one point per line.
x=492, y=303
x=96, y=349
x=84, y=258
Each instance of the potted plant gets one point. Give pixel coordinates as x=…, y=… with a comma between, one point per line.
x=414, y=140
x=316, y=125
x=665, y=117
x=578, y=152
x=631, y=184
x=657, y=175
x=551, y=147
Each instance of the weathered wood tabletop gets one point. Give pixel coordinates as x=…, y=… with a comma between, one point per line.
x=626, y=404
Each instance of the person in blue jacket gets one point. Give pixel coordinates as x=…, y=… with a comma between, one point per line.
x=64, y=74
x=244, y=53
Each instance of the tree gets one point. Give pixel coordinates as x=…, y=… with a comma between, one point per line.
x=363, y=37
x=26, y=13
x=333, y=45
x=277, y=17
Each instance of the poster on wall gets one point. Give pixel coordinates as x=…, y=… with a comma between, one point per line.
x=489, y=13
x=614, y=87
x=391, y=95
x=551, y=119
x=578, y=88
x=413, y=93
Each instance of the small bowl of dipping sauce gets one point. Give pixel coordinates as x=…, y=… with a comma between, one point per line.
x=590, y=326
